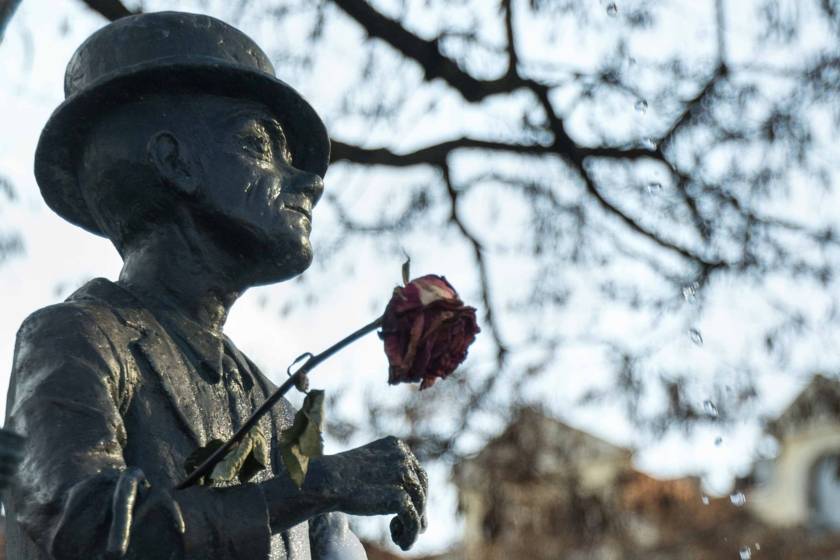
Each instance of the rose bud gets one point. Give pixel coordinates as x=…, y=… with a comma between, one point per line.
x=426, y=330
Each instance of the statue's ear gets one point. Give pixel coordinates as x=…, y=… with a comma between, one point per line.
x=173, y=162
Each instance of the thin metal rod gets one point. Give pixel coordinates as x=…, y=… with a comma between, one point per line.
x=308, y=366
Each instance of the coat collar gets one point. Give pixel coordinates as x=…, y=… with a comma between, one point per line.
x=157, y=345
x=206, y=346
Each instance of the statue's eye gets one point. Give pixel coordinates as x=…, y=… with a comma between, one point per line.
x=256, y=144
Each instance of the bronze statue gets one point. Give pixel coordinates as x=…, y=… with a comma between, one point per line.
x=11, y=452
x=178, y=143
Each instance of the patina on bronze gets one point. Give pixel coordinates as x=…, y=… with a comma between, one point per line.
x=178, y=143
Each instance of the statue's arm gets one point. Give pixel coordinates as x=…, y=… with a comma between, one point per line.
x=68, y=383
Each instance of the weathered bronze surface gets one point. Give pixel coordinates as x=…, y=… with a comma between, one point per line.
x=177, y=142
x=11, y=452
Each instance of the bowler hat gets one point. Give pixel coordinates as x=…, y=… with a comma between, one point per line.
x=158, y=53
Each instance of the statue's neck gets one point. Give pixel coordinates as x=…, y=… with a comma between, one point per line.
x=174, y=269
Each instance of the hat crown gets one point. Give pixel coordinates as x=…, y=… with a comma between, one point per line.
x=161, y=38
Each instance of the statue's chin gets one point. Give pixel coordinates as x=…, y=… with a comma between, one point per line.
x=283, y=265
x=267, y=253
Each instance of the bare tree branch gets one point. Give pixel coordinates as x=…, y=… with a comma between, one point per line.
x=7, y=10
x=720, y=16
x=513, y=58
x=634, y=225
x=694, y=106
x=430, y=155
x=484, y=277
x=109, y=9
x=435, y=154
x=427, y=54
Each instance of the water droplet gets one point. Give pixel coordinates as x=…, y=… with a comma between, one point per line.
x=612, y=9
x=738, y=499
x=653, y=187
x=757, y=546
x=705, y=500
x=689, y=292
x=696, y=337
x=718, y=440
x=710, y=408
x=641, y=106
x=745, y=553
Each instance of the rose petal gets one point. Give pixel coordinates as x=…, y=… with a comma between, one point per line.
x=426, y=330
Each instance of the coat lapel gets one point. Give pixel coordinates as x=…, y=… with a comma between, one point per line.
x=155, y=349
x=176, y=378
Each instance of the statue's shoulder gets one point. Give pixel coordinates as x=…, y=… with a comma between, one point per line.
x=92, y=312
x=86, y=330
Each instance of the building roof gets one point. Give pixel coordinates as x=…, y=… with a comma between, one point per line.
x=535, y=445
x=819, y=400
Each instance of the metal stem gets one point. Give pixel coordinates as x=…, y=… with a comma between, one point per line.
x=308, y=366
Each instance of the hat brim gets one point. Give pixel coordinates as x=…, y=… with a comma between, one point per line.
x=60, y=141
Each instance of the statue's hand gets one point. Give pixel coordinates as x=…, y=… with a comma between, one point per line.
x=380, y=478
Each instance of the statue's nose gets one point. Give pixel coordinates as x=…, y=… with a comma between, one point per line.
x=308, y=184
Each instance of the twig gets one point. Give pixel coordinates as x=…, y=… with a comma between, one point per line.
x=111, y=10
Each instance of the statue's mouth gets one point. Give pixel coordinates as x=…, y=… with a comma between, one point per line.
x=306, y=213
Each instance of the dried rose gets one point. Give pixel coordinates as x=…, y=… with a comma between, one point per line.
x=426, y=329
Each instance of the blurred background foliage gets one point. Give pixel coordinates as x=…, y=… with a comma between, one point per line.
x=637, y=195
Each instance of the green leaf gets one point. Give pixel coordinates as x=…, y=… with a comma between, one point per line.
x=258, y=459
x=228, y=468
x=244, y=460
x=303, y=440
x=311, y=440
x=296, y=463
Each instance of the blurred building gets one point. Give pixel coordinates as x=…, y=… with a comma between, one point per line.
x=543, y=490
x=801, y=486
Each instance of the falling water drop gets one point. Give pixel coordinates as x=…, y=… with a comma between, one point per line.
x=745, y=553
x=689, y=292
x=710, y=408
x=696, y=336
x=705, y=500
x=641, y=106
x=738, y=499
x=612, y=9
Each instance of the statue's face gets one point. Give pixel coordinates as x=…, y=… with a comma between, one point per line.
x=250, y=198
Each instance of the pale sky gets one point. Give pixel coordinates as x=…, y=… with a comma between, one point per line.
x=60, y=257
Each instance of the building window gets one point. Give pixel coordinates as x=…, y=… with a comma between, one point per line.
x=825, y=492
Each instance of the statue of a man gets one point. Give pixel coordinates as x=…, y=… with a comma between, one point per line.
x=178, y=143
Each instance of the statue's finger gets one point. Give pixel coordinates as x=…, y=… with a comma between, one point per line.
x=417, y=493
x=420, y=472
x=406, y=525
x=122, y=511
